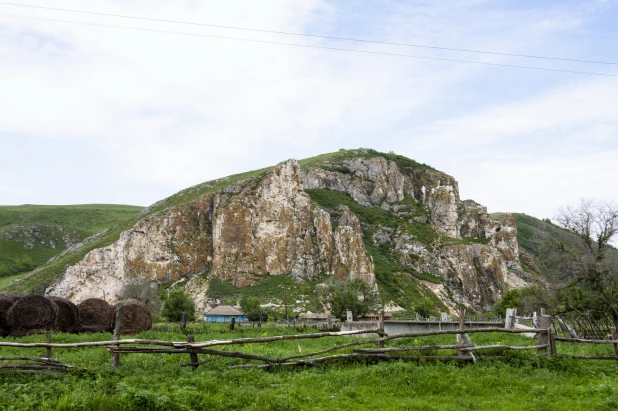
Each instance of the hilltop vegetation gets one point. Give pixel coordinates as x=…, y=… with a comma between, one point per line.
x=32, y=234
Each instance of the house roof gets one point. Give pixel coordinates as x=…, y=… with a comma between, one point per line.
x=224, y=310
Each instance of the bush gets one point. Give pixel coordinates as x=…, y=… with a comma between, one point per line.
x=175, y=304
x=354, y=295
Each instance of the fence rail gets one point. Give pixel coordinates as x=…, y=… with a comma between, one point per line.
x=464, y=349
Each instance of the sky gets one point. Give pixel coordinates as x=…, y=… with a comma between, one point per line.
x=92, y=114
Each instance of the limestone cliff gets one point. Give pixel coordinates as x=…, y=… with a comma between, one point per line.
x=357, y=214
x=243, y=233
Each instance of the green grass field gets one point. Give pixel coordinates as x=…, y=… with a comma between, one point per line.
x=32, y=234
x=90, y=218
x=522, y=381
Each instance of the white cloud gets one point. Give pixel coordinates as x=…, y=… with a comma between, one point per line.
x=539, y=153
x=160, y=110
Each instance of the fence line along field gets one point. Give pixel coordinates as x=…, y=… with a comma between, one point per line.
x=408, y=379
x=145, y=381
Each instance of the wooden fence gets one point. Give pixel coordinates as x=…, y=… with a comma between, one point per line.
x=463, y=349
x=585, y=326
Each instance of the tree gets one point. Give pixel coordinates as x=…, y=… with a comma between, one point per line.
x=526, y=299
x=248, y=304
x=257, y=315
x=355, y=295
x=593, y=267
x=145, y=292
x=251, y=307
x=176, y=303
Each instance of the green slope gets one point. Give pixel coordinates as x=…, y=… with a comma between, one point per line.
x=534, y=236
x=32, y=234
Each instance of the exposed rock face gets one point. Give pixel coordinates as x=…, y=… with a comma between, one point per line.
x=352, y=261
x=271, y=230
x=164, y=247
x=268, y=225
x=377, y=182
x=371, y=182
x=475, y=274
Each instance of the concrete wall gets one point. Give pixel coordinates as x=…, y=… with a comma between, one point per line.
x=396, y=327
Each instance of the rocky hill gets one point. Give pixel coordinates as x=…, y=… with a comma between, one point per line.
x=397, y=224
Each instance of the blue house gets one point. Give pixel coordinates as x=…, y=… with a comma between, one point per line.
x=224, y=314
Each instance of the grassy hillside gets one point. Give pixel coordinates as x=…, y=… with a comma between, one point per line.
x=534, y=236
x=32, y=234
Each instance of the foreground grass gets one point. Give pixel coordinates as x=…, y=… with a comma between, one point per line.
x=520, y=381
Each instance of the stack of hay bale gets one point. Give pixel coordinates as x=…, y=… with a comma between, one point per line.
x=6, y=301
x=33, y=314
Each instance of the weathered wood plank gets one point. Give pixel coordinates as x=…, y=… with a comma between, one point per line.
x=590, y=357
x=117, y=329
x=585, y=341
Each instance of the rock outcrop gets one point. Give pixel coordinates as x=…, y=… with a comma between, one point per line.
x=265, y=226
x=268, y=225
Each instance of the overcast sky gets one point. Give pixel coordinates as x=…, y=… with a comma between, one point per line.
x=104, y=115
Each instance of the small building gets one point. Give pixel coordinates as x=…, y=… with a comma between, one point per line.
x=224, y=314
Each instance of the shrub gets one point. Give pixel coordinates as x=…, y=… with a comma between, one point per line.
x=175, y=304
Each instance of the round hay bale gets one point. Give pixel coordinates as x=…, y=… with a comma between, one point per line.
x=31, y=314
x=6, y=301
x=95, y=315
x=135, y=317
x=67, y=319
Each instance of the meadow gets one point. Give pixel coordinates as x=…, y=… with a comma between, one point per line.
x=30, y=235
x=520, y=380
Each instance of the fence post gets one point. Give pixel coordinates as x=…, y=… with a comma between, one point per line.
x=509, y=321
x=349, y=316
x=614, y=335
x=232, y=322
x=48, y=340
x=544, y=331
x=381, y=327
x=552, y=342
x=462, y=318
x=535, y=320
x=192, y=355
x=117, y=329
x=183, y=322
x=464, y=339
